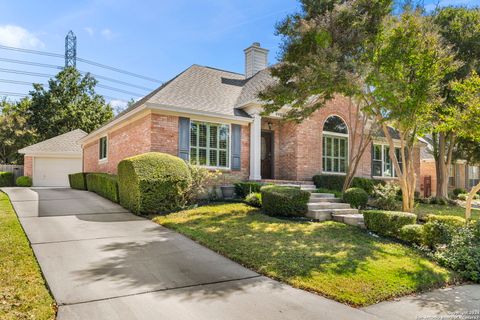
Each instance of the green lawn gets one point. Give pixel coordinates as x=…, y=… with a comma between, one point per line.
x=336, y=260
x=23, y=294
x=422, y=209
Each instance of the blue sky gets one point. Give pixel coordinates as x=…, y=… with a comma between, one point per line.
x=158, y=39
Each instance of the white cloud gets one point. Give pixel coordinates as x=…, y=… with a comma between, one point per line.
x=15, y=36
x=108, y=34
x=89, y=30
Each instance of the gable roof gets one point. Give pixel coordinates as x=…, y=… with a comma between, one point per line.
x=67, y=143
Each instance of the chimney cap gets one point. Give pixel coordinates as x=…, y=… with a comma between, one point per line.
x=256, y=44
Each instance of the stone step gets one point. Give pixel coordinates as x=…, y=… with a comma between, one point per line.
x=327, y=205
x=325, y=200
x=319, y=215
x=336, y=211
x=321, y=195
x=355, y=219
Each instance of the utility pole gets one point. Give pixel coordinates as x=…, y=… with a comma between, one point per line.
x=70, y=50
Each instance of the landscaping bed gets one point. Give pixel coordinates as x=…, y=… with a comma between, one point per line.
x=335, y=260
x=23, y=293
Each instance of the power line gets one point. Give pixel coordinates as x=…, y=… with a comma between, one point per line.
x=57, y=55
x=23, y=83
x=52, y=66
x=12, y=94
x=37, y=74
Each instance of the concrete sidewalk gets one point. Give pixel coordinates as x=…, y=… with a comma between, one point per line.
x=102, y=262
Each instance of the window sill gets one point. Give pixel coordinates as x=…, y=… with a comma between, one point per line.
x=334, y=173
x=104, y=160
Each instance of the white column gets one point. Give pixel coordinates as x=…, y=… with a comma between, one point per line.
x=255, y=147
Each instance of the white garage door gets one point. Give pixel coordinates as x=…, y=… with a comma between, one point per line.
x=53, y=172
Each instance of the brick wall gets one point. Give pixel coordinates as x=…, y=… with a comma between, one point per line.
x=154, y=132
x=28, y=166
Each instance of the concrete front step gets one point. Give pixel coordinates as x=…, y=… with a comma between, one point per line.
x=325, y=200
x=327, y=205
x=326, y=214
x=355, y=219
x=321, y=195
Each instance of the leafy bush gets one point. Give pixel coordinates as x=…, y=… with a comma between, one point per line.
x=462, y=253
x=254, y=199
x=332, y=182
x=453, y=221
x=242, y=189
x=335, y=182
x=366, y=184
x=24, y=181
x=464, y=196
x=103, y=184
x=387, y=223
x=201, y=179
x=6, y=179
x=356, y=197
x=386, y=196
x=412, y=233
x=153, y=182
x=458, y=191
x=284, y=201
x=437, y=234
x=78, y=181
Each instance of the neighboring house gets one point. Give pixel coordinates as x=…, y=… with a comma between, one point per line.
x=212, y=118
x=462, y=174
x=49, y=162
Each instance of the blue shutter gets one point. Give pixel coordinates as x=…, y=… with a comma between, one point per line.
x=184, y=138
x=236, y=146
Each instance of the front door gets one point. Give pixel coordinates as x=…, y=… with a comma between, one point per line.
x=267, y=155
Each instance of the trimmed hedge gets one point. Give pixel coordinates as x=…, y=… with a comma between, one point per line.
x=254, y=199
x=242, y=189
x=6, y=179
x=153, y=182
x=412, y=233
x=453, y=221
x=387, y=223
x=356, y=197
x=78, y=181
x=437, y=233
x=284, y=200
x=103, y=184
x=24, y=181
x=335, y=182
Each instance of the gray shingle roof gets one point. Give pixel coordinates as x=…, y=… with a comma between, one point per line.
x=64, y=143
x=253, y=86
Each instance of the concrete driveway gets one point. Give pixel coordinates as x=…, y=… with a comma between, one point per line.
x=102, y=262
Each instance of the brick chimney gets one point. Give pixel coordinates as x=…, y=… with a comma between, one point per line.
x=256, y=59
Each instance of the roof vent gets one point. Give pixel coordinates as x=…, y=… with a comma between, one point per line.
x=256, y=59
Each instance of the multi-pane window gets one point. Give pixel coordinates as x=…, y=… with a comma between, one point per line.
x=102, y=152
x=382, y=165
x=335, y=145
x=473, y=176
x=209, y=144
x=334, y=154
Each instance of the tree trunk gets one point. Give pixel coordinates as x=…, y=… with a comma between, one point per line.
x=468, y=206
x=443, y=159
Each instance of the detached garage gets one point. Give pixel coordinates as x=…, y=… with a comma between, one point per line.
x=50, y=162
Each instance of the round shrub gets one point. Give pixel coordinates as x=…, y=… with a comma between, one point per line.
x=24, y=181
x=387, y=223
x=453, y=221
x=356, y=197
x=153, y=183
x=6, y=179
x=254, y=199
x=437, y=234
x=284, y=200
x=412, y=233
x=242, y=189
x=458, y=191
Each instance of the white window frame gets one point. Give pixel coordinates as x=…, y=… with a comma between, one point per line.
x=476, y=180
x=229, y=144
x=383, y=176
x=330, y=134
x=100, y=159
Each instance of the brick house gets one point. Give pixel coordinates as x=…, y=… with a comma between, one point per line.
x=211, y=117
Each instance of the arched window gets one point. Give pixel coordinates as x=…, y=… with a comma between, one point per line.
x=335, y=145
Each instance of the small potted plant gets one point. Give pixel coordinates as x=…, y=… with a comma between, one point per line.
x=228, y=190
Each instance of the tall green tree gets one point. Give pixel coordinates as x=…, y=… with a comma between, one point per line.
x=466, y=120
x=14, y=131
x=408, y=66
x=324, y=53
x=460, y=27
x=70, y=102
